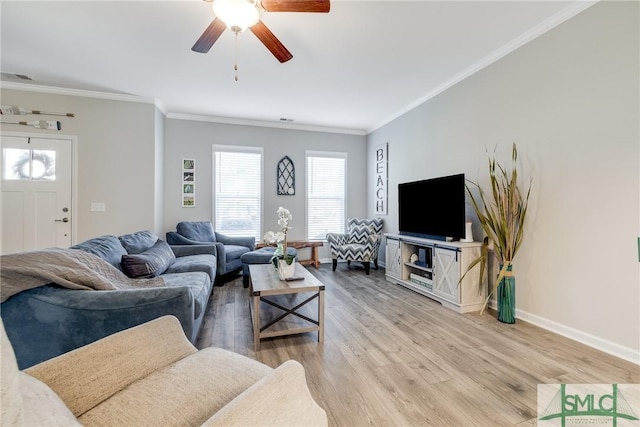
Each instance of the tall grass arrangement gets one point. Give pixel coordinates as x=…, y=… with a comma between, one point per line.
x=502, y=213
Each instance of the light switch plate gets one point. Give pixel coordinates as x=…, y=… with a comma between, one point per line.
x=98, y=207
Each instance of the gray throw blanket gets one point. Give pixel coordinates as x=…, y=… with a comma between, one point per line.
x=70, y=268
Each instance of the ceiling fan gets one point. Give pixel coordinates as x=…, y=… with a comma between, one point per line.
x=238, y=15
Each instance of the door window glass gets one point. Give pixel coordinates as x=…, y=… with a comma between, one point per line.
x=21, y=164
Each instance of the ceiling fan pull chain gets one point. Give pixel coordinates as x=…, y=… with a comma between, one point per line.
x=235, y=66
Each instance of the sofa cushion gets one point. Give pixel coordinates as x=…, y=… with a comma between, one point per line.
x=108, y=248
x=150, y=263
x=203, y=262
x=43, y=407
x=11, y=398
x=139, y=242
x=191, y=391
x=281, y=398
x=199, y=231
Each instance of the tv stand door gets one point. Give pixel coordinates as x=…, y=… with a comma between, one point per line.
x=447, y=273
x=393, y=261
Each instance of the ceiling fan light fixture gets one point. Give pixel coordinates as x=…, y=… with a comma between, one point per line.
x=238, y=15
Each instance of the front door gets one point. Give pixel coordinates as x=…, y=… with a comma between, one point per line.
x=36, y=193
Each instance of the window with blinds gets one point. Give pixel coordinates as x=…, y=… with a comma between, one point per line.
x=326, y=193
x=237, y=190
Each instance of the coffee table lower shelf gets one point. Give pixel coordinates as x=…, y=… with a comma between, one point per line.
x=279, y=307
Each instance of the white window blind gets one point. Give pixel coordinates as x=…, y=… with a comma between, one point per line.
x=326, y=193
x=237, y=190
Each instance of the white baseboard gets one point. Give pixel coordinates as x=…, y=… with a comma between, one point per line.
x=598, y=343
x=582, y=337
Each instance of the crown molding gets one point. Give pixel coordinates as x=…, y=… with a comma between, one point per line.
x=565, y=14
x=178, y=116
x=83, y=93
x=261, y=123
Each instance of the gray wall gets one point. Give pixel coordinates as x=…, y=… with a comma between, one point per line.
x=570, y=101
x=118, y=142
x=195, y=139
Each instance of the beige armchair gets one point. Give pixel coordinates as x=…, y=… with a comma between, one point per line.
x=152, y=375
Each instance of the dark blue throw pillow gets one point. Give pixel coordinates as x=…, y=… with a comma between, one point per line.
x=136, y=243
x=150, y=263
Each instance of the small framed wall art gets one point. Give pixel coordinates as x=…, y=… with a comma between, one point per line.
x=188, y=183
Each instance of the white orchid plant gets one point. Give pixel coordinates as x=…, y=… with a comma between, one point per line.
x=279, y=238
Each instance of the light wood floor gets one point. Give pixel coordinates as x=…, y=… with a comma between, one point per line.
x=392, y=357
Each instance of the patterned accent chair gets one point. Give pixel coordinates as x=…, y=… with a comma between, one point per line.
x=360, y=243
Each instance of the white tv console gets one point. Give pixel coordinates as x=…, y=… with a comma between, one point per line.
x=438, y=270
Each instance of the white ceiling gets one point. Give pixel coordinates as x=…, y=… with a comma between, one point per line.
x=355, y=68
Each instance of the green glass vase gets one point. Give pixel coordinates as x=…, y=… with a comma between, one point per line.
x=506, y=298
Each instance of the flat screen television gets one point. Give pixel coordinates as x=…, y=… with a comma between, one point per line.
x=433, y=208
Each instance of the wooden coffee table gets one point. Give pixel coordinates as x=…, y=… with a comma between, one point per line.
x=268, y=291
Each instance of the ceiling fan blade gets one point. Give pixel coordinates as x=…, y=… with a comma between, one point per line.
x=319, y=6
x=274, y=45
x=209, y=37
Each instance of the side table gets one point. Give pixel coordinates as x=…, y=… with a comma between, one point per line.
x=299, y=244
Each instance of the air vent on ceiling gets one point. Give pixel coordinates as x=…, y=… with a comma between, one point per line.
x=284, y=119
x=16, y=76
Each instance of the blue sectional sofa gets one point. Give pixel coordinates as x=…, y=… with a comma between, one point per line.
x=50, y=320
